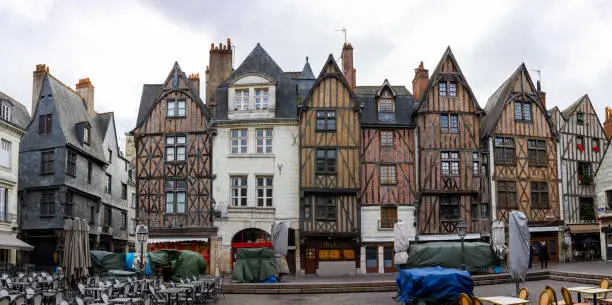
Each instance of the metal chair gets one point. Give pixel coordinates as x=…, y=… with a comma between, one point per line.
x=464, y=299
x=605, y=284
x=476, y=300
x=19, y=300
x=5, y=300
x=37, y=299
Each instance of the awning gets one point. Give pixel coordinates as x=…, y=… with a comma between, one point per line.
x=175, y=240
x=579, y=229
x=544, y=229
x=447, y=237
x=11, y=242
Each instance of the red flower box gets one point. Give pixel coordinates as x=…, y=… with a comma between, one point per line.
x=596, y=148
x=580, y=148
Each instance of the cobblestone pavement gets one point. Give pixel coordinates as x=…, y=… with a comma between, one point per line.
x=378, y=298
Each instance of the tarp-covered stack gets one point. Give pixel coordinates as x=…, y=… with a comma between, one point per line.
x=435, y=285
x=254, y=265
x=477, y=255
x=104, y=261
x=400, y=242
x=184, y=263
x=280, y=243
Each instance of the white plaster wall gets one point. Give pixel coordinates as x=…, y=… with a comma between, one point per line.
x=251, y=82
x=603, y=183
x=370, y=215
x=9, y=179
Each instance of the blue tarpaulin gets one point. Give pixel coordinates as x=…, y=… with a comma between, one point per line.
x=129, y=263
x=433, y=284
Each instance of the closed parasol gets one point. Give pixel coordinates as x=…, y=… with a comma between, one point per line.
x=77, y=259
x=280, y=243
x=519, y=246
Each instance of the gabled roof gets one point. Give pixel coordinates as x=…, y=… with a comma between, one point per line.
x=404, y=105
x=331, y=69
x=570, y=110
x=435, y=77
x=19, y=116
x=159, y=91
x=557, y=117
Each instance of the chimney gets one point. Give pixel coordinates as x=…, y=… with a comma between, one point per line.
x=218, y=70
x=194, y=82
x=541, y=94
x=419, y=83
x=347, y=65
x=38, y=77
x=86, y=90
x=608, y=123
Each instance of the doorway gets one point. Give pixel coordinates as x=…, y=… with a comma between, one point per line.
x=372, y=259
x=310, y=261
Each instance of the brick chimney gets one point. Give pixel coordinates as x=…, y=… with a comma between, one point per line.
x=194, y=82
x=541, y=94
x=86, y=90
x=37, y=82
x=218, y=70
x=419, y=83
x=608, y=123
x=347, y=65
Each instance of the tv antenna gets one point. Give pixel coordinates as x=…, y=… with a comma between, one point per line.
x=343, y=29
x=539, y=73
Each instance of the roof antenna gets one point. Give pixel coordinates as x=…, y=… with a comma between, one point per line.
x=343, y=29
x=539, y=88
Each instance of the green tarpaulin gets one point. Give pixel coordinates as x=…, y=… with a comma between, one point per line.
x=477, y=255
x=254, y=265
x=184, y=263
x=103, y=261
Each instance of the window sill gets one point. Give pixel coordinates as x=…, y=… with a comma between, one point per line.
x=388, y=183
x=326, y=130
x=451, y=175
x=175, y=162
x=47, y=216
x=385, y=229
x=524, y=121
x=46, y=174
x=450, y=132
x=251, y=155
x=249, y=207
x=176, y=116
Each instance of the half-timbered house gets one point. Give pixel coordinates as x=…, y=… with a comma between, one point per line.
x=388, y=186
x=173, y=141
x=523, y=142
x=330, y=171
x=256, y=153
x=450, y=169
x=582, y=147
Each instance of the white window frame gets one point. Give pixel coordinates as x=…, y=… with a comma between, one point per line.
x=262, y=101
x=7, y=111
x=240, y=198
x=86, y=134
x=265, y=147
x=176, y=108
x=241, y=99
x=236, y=141
x=174, y=145
x=5, y=153
x=264, y=186
x=173, y=192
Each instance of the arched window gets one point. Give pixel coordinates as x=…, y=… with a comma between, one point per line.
x=251, y=235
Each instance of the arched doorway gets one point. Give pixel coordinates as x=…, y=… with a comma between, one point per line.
x=250, y=238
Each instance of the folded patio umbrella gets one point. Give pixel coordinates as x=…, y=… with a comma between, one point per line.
x=280, y=243
x=519, y=246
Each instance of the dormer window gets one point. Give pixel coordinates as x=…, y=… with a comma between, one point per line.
x=6, y=111
x=261, y=99
x=386, y=111
x=241, y=102
x=579, y=117
x=176, y=108
x=86, y=135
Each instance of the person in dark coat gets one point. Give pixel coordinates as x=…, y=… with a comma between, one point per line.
x=544, y=255
x=530, y=255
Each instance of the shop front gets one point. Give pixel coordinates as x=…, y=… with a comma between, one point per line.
x=378, y=258
x=546, y=238
x=606, y=239
x=330, y=255
x=586, y=244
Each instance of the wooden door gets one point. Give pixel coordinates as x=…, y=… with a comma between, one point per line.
x=372, y=259
x=310, y=261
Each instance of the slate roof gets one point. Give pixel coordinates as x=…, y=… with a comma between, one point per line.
x=259, y=61
x=570, y=110
x=404, y=105
x=149, y=94
x=20, y=116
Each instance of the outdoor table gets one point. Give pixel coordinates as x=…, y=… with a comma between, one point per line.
x=21, y=285
x=592, y=290
x=125, y=300
x=579, y=290
x=173, y=291
x=96, y=290
x=505, y=300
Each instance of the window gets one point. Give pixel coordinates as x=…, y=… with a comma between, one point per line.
x=109, y=184
x=86, y=132
x=176, y=193
x=108, y=216
x=326, y=162
x=587, y=209
x=3, y=204
x=89, y=170
x=326, y=209
x=175, y=148
x=449, y=208
x=522, y=111
x=388, y=216
x=537, y=153
x=92, y=214
x=386, y=110
x=580, y=143
x=506, y=194
x=133, y=201
x=596, y=145
x=326, y=120
x=504, y=151
x=5, y=154
x=261, y=99
x=609, y=200
x=47, y=162
x=476, y=163
x=449, y=123
x=123, y=190
x=6, y=112
x=539, y=195
x=371, y=257
x=580, y=118
x=585, y=173
x=264, y=140
x=47, y=204
x=239, y=190
x=386, y=138
x=442, y=88
x=388, y=258
x=45, y=124
x=123, y=220
x=241, y=100
x=68, y=207
x=387, y=174
x=264, y=191
x=239, y=141
x=110, y=155
x=176, y=108
x=307, y=212
x=71, y=163
x=452, y=89
x=450, y=162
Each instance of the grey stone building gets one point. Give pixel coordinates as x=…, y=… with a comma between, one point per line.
x=70, y=166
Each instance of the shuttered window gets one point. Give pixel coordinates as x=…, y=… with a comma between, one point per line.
x=326, y=209
x=539, y=195
x=504, y=151
x=506, y=194
x=388, y=216
x=537, y=153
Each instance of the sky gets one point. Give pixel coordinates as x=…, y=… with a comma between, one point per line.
x=121, y=45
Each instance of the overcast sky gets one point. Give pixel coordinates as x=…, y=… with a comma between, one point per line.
x=121, y=45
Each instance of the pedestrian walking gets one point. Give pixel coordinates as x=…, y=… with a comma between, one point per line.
x=543, y=255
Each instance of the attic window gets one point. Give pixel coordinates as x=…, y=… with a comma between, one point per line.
x=176, y=108
x=579, y=117
x=386, y=111
x=261, y=99
x=6, y=111
x=86, y=134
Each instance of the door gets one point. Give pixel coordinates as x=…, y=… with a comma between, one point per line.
x=372, y=259
x=388, y=257
x=291, y=261
x=310, y=261
x=609, y=246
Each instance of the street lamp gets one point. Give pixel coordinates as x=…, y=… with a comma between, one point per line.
x=462, y=231
x=143, y=235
